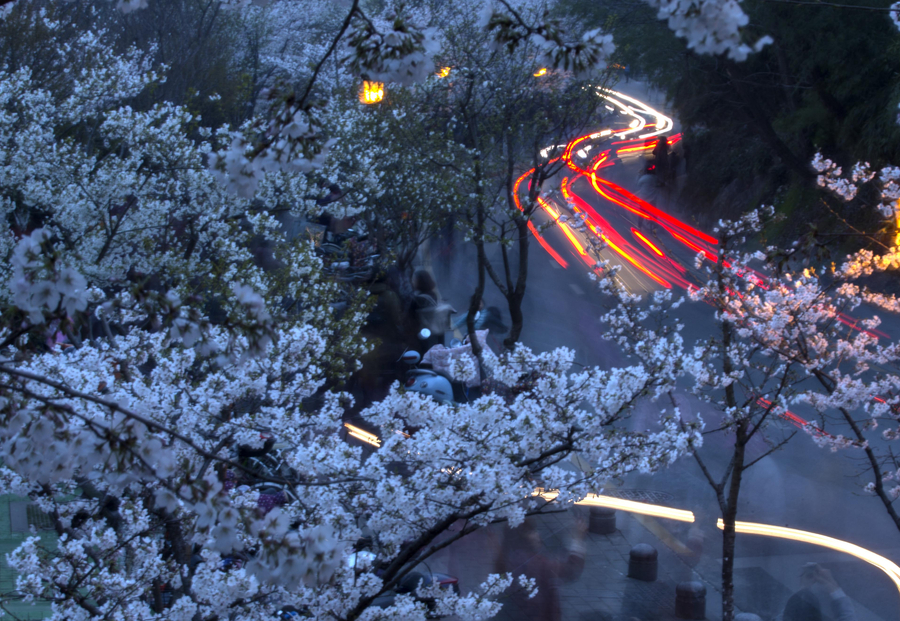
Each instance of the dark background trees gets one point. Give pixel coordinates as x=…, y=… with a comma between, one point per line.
x=751, y=128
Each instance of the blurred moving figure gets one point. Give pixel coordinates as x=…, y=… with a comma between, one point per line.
x=820, y=590
x=485, y=319
x=523, y=552
x=428, y=310
x=661, y=153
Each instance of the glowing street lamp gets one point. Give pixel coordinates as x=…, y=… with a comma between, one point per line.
x=371, y=92
x=444, y=72
x=540, y=72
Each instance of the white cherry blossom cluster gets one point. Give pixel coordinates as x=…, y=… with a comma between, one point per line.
x=830, y=177
x=180, y=356
x=292, y=145
x=526, y=23
x=40, y=285
x=394, y=48
x=145, y=418
x=709, y=26
x=806, y=319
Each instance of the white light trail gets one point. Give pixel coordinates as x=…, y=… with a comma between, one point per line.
x=766, y=530
x=631, y=506
x=626, y=110
x=545, y=152
x=663, y=123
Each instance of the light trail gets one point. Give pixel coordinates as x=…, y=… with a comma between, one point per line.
x=637, y=264
x=657, y=213
x=623, y=248
x=659, y=267
x=543, y=242
x=662, y=124
x=766, y=530
x=890, y=569
x=797, y=421
x=646, y=146
x=637, y=234
x=624, y=109
x=546, y=246
x=562, y=225
x=630, y=506
x=362, y=434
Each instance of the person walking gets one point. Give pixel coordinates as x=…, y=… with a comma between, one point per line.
x=523, y=552
x=661, y=155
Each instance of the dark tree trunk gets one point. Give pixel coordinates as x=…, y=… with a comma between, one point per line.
x=729, y=516
x=516, y=294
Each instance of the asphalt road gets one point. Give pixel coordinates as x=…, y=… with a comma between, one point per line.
x=800, y=485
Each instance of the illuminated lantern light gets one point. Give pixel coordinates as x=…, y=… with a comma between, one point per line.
x=444, y=72
x=540, y=72
x=371, y=92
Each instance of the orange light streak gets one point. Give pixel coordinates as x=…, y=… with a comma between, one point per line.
x=574, y=240
x=543, y=242
x=362, y=434
x=549, y=208
x=657, y=212
x=562, y=225
x=646, y=241
x=636, y=263
x=546, y=246
x=693, y=246
x=596, y=185
x=645, y=147
x=602, y=161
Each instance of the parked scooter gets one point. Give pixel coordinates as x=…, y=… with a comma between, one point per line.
x=427, y=381
x=437, y=383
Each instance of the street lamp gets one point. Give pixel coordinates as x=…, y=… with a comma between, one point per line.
x=371, y=92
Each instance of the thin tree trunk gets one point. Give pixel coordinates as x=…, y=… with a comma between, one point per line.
x=517, y=295
x=475, y=302
x=730, y=505
x=729, y=516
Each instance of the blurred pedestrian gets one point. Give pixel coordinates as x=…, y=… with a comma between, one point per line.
x=523, y=552
x=820, y=590
x=485, y=318
x=428, y=311
x=661, y=155
x=647, y=184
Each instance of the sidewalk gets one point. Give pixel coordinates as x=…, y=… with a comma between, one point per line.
x=604, y=592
